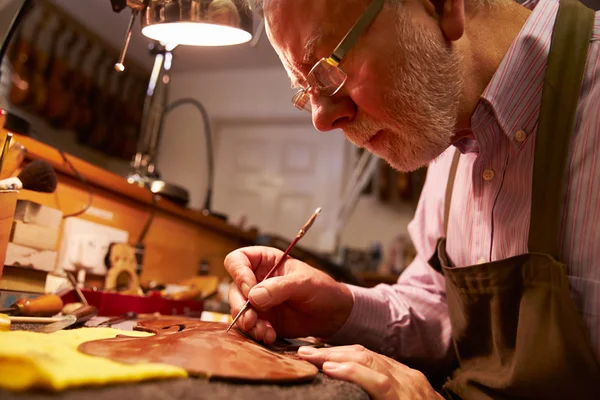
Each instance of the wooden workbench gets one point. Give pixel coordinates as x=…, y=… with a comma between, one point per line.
x=322, y=387
x=178, y=239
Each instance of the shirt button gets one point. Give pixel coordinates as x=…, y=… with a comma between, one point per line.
x=520, y=135
x=488, y=174
x=481, y=260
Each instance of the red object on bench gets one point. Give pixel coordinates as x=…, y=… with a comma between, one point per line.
x=111, y=304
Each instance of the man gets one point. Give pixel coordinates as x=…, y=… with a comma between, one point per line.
x=514, y=129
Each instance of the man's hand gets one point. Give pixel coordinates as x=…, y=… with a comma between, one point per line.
x=382, y=377
x=296, y=301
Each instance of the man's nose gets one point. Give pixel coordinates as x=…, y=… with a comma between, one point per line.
x=329, y=113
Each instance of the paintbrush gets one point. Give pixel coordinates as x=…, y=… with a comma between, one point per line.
x=4, y=149
x=301, y=233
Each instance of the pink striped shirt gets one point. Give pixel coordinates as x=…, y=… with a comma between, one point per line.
x=490, y=210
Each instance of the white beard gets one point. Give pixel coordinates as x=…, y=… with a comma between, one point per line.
x=421, y=105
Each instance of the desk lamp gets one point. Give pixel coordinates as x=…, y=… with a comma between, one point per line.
x=171, y=23
x=188, y=22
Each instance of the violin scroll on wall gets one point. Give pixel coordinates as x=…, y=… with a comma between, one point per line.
x=63, y=73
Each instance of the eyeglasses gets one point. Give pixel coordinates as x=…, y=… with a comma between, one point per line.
x=326, y=77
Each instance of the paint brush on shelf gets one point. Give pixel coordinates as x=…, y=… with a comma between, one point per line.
x=301, y=233
x=4, y=149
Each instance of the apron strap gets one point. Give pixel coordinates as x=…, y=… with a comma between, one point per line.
x=562, y=86
x=449, y=187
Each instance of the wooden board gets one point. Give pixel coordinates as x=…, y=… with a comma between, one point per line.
x=203, y=349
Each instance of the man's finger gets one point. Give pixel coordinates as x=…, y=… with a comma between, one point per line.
x=379, y=386
x=245, y=264
x=237, y=301
x=340, y=355
x=248, y=320
x=239, y=266
x=263, y=332
x=279, y=289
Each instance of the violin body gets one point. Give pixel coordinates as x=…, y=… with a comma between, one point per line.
x=203, y=349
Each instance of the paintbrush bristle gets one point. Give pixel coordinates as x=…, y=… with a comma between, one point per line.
x=38, y=176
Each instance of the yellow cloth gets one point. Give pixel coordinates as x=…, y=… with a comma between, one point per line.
x=4, y=323
x=51, y=361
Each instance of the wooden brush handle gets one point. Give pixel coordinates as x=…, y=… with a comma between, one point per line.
x=46, y=305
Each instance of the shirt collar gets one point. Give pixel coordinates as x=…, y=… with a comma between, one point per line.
x=514, y=92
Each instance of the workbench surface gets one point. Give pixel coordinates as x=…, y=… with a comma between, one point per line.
x=322, y=387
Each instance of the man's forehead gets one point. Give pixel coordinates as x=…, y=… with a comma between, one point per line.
x=299, y=28
x=303, y=21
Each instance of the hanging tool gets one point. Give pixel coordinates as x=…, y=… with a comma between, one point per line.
x=301, y=233
x=120, y=66
x=42, y=306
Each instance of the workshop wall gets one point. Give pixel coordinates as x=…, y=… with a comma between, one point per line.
x=263, y=93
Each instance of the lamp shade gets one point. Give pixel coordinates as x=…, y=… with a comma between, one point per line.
x=197, y=22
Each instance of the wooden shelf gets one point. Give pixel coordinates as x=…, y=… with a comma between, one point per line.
x=101, y=178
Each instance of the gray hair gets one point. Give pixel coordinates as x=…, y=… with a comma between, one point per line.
x=257, y=5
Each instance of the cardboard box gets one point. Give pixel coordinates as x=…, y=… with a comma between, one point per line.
x=23, y=256
x=8, y=202
x=37, y=214
x=35, y=236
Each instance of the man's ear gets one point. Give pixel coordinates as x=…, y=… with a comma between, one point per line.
x=451, y=17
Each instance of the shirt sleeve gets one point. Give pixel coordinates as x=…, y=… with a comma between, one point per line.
x=408, y=320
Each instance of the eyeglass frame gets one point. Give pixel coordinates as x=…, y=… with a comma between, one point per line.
x=336, y=57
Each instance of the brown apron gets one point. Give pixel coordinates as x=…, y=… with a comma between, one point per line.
x=516, y=331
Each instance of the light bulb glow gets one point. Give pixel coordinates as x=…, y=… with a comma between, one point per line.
x=196, y=34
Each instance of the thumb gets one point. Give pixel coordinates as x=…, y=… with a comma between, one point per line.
x=277, y=290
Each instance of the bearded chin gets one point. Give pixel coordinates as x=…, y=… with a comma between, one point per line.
x=424, y=100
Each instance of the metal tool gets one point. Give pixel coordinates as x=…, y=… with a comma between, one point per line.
x=85, y=313
x=45, y=305
x=120, y=66
x=80, y=294
x=34, y=320
x=65, y=321
x=301, y=233
x=128, y=316
x=82, y=314
x=6, y=321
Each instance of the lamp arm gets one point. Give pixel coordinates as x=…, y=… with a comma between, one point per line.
x=207, y=136
x=14, y=25
x=154, y=105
